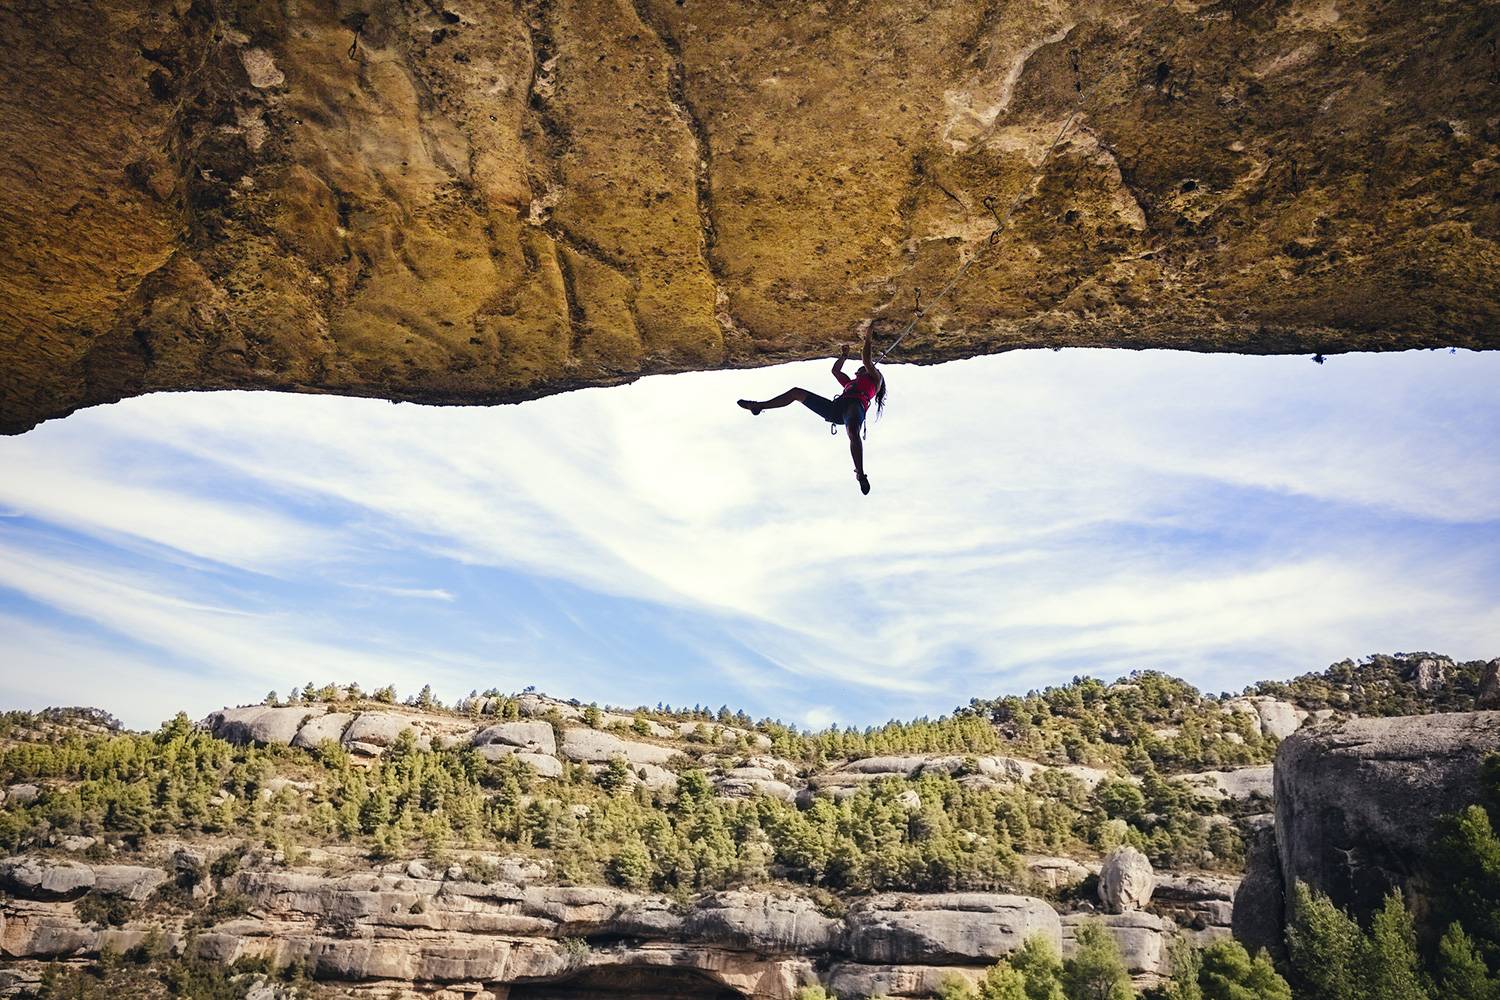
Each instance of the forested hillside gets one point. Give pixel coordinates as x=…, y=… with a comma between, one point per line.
x=1020, y=795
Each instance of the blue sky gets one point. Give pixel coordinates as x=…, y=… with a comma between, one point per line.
x=1035, y=515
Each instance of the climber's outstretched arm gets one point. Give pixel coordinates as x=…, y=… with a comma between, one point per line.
x=868, y=353
x=838, y=366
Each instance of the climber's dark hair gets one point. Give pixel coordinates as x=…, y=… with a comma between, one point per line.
x=880, y=398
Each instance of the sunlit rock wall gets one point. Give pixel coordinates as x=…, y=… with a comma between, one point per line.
x=476, y=202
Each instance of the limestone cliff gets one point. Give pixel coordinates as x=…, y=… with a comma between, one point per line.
x=1358, y=804
x=466, y=202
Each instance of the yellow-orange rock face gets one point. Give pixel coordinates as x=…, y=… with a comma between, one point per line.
x=472, y=201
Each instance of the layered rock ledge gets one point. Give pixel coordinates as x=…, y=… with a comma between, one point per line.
x=469, y=203
x=428, y=931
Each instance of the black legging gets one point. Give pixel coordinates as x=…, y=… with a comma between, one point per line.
x=840, y=411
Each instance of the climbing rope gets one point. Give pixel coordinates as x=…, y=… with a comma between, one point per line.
x=1001, y=221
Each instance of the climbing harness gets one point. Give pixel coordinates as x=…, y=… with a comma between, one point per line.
x=1001, y=221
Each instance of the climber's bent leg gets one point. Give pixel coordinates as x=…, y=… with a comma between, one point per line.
x=785, y=399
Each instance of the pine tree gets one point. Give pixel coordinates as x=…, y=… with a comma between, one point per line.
x=1469, y=856
x=1038, y=962
x=1187, y=965
x=1391, y=960
x=1327, y=947
x=1096, y=971
x=1002, y=982
x=1227, y=972
x=1461, y=971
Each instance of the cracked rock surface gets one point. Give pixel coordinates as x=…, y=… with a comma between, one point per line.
x=465, y=202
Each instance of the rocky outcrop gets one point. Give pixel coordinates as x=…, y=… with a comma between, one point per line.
x=1489, y=686
x=1431, y=672
x=1357, y=802
x=414, y=925
x=1055, y=873
x=533, y=737
x=258, y=724
x=1260, y=901
x=135, y=883
x=36, y=879
x=744, y=782
x=1202, y=903
x=764, y=923
x=306, y=726
x=946, y=929
x=21, y=793
x=479, y=204
x=1273, y=717
x=1125, y=880
x=922, y=981
x=329, y=727
x=592, y=746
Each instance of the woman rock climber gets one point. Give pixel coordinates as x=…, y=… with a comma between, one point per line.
x=848, y=408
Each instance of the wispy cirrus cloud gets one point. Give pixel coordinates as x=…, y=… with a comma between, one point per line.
x=1035, y=515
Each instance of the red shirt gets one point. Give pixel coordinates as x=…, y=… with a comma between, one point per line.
x=863, y=387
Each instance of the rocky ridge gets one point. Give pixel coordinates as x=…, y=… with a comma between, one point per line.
x=443, y=933
x=482, y=925
x=739, y=759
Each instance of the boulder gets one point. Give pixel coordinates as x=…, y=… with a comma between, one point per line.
x=657, y=779
x=1273, y=717
x=1142, y=938
x=900, y=767
x=133, y=882
x=1430, y=673
x=496, y=752
x=1489, y=686
x=853, y=979
x=257, y=724
x=329, y=726
x=32, y=930
x=744, y=788
x=594, y=747
x=380, y=729
x=1357, y=803
x=1055, y=873
x=534, y=737
x=544, y=765
x=773, y=924
x=1125, y=880
x=189, y=861
x=946, y=927
x=21, y=793
x=39, y=878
